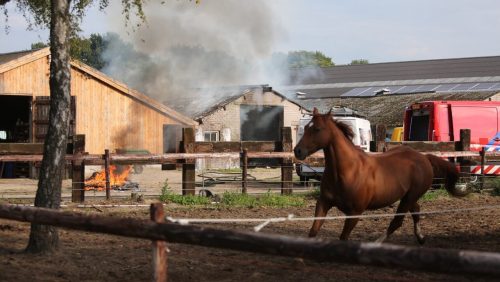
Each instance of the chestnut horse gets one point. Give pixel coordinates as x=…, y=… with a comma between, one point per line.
x=355, y=181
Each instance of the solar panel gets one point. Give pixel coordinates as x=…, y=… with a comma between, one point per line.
x=394, y=88
x=426, y=88
x=369, y=92
x=354, y=92
x=463, y=87
x=445, y=87
x=408, y=89
x=495, y=87
x=483, y=86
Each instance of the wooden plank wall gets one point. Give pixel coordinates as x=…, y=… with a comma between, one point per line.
x=107, y=118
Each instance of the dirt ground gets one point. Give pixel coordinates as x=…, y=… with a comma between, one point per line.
x=87, y=256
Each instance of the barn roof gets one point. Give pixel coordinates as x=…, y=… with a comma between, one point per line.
x=10, y=61
x=202, y=102
x=389, y=109
x=327, y=87
x=335, y=81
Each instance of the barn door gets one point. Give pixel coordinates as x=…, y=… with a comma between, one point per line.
x=41, y=118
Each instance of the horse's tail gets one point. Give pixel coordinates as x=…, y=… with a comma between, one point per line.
x=447, y=171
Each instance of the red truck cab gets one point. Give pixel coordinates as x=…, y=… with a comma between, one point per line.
x=442, y=121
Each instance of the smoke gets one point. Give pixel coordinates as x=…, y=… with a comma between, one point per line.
x=186, y=46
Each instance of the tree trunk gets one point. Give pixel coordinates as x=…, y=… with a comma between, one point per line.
x=45, y=238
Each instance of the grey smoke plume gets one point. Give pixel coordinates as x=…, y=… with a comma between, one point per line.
x=214, y=43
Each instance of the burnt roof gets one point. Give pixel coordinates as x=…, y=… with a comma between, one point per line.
x=199, y=103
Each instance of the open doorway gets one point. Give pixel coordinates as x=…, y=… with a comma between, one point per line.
x=15, y=127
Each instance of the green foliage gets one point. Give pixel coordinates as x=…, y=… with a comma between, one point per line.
x=434, y=194
x=86, y=50
x=301, y=59
x=39, y=45
x=359, y=62
x=266, y=200
x=37, y=12
x=168, y=197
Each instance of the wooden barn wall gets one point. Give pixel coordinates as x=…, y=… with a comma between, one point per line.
x=29, y=79
x=109, y=119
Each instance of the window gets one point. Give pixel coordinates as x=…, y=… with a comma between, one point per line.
x=211, y=136
x=3, y=135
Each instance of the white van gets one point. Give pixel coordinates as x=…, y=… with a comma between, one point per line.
x=362, y=137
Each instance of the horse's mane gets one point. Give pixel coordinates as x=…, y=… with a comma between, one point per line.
x=346, y=129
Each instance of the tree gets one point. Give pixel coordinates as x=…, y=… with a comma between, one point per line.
x=359, y=62
x=62, y=16
x=300, y=59
x=86, y=50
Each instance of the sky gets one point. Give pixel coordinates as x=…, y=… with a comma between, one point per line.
x=376, y=30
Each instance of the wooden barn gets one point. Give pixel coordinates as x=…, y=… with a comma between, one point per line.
x=110, y=114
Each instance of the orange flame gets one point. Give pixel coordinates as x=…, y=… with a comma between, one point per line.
x=118, y=175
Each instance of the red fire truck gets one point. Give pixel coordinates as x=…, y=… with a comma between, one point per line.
x=442, y=121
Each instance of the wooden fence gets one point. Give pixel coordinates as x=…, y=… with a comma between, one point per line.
x=242, y=150
x=383, y=255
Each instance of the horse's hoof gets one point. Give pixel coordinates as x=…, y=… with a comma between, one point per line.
x=421, y=240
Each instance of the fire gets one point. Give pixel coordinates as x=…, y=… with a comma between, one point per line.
x=117, y=177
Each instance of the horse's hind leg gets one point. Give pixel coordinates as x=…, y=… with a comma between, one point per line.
x=397, y=221
x=322, y=208
x=416, y=226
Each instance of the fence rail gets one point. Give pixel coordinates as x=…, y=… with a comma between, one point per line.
x=383, y=255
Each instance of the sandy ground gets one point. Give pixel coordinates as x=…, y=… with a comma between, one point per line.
x=87, y=256
x=151, y=180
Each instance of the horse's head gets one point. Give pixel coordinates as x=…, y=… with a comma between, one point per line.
x=316, y=135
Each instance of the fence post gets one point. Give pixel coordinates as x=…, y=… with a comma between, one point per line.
x=244, y=168
x=464, y=145
x=380, y=132
x=483, y=156
x=286, y=163
x=188, y=168
x=160, y=263
x=78, y=166
x=106, y=173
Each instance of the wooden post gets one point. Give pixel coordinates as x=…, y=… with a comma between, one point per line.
x=160, y=263
x=188, y=168
x=78, y=166
x=380, y=132
x=244, y=168
x=106, y=172
x=464, y=145
x=483, y=155
x=286, y=163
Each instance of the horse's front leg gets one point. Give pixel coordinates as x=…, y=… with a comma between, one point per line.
x=349, y=225
x=322, y=208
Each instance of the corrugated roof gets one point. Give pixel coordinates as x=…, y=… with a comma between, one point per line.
x=389, y=109
x=424, y=69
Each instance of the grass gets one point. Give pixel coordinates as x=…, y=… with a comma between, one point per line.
x=231, y=199
x=268, y=199
x=188, y=200
x=432, y=195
